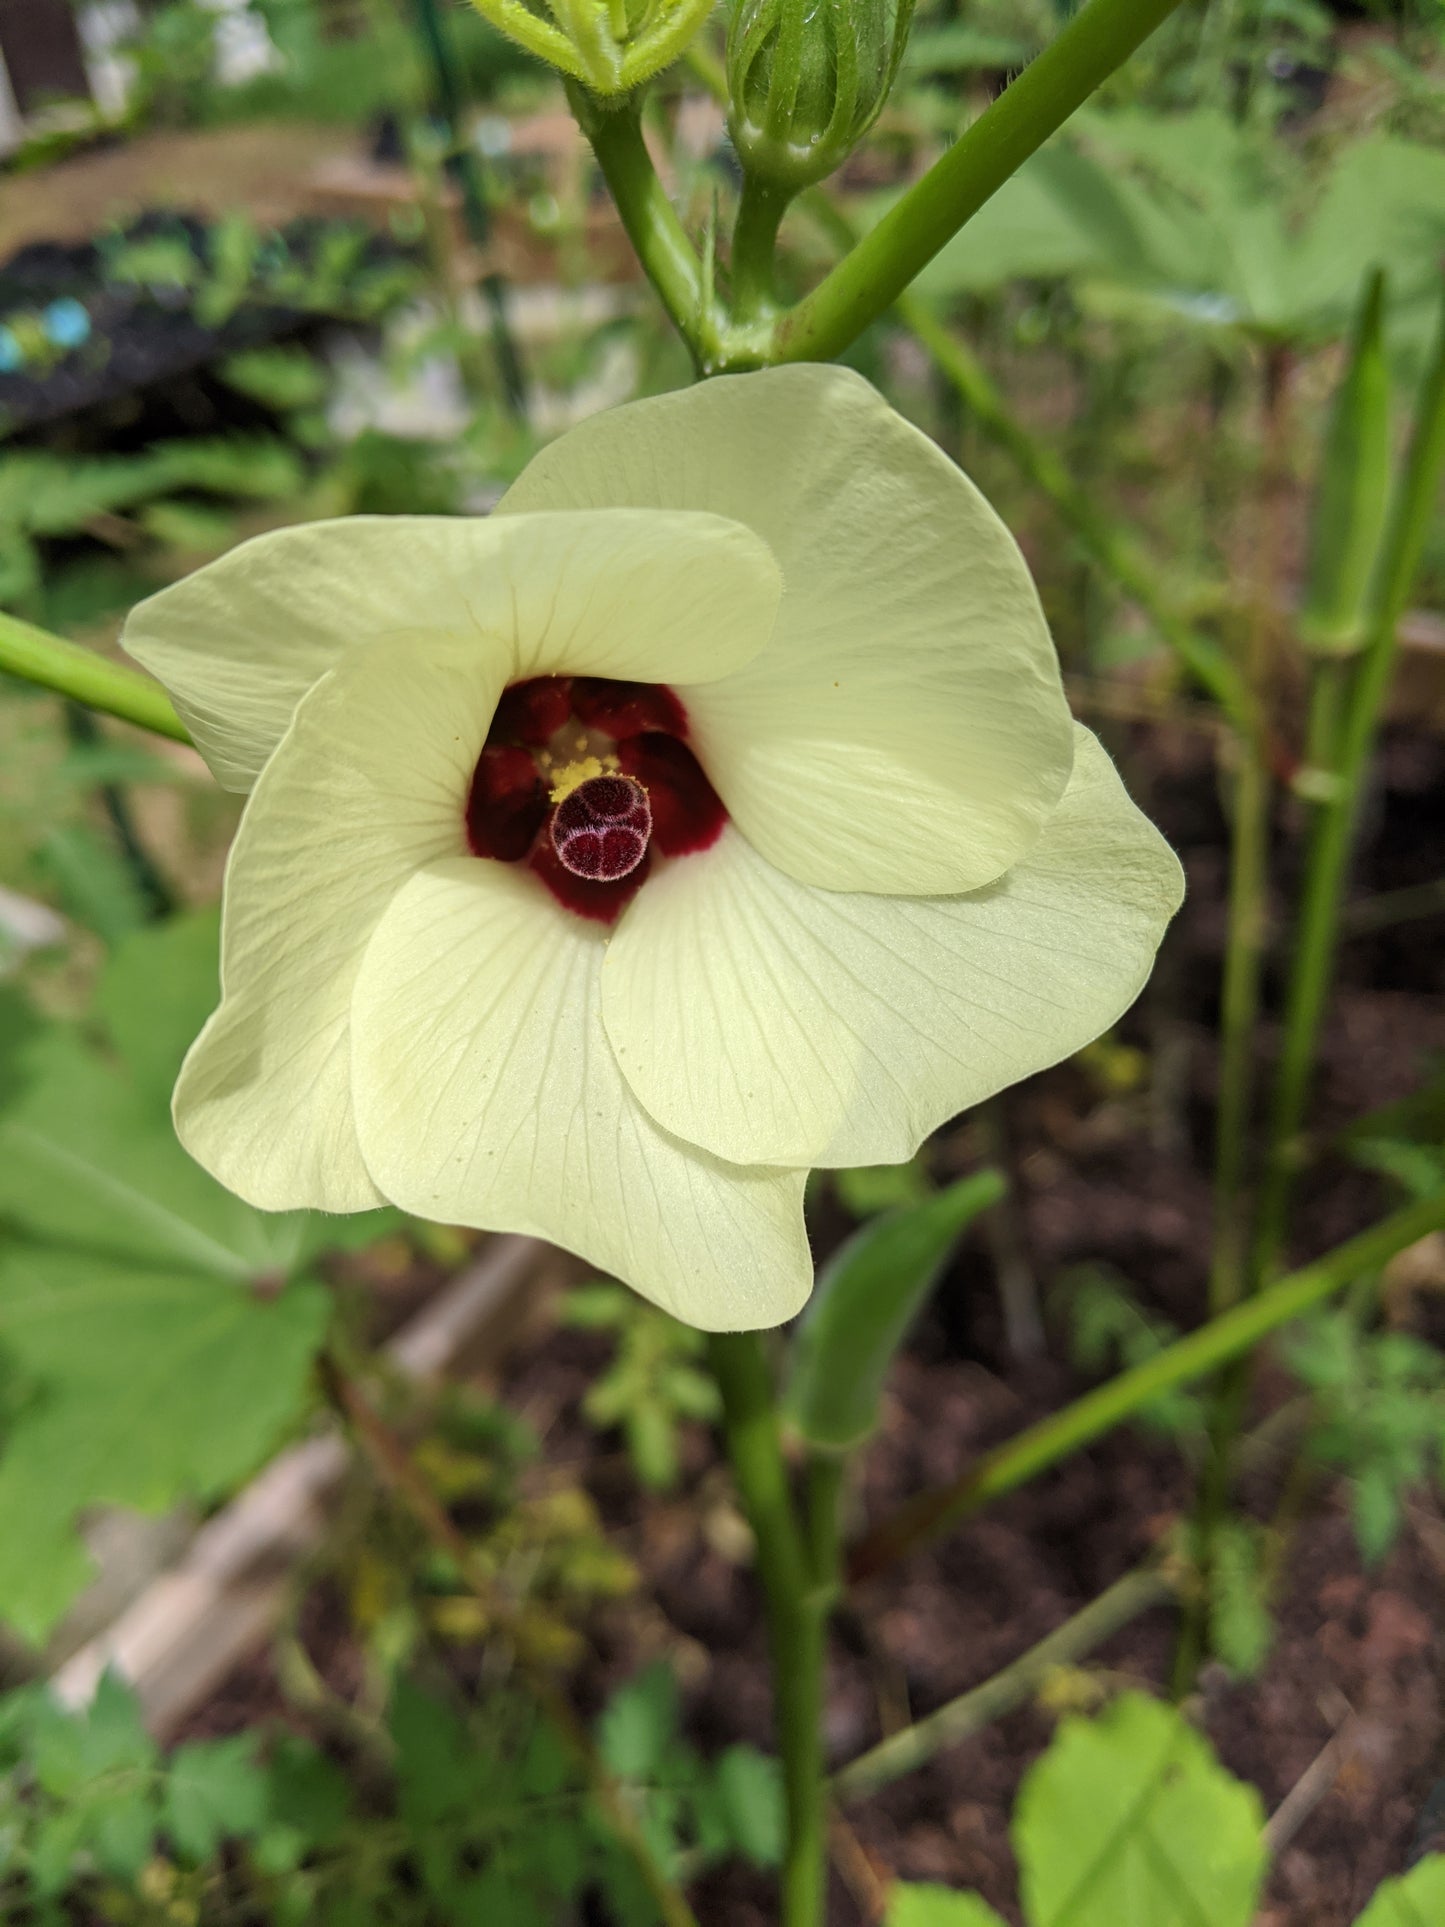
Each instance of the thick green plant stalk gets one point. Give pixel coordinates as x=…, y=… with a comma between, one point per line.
x=1333, y=836
x=798, y=1598
x=1097, y=41
x=1189, y=1359
x=53, y=663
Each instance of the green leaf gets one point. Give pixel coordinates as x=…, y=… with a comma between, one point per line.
x=1377, y=1510
x=279, y=378
x=438, y=1770
x=157, y=990
x=652, y=1444
x=1352, y=494
x=1110, y=1330
x=87, y=1160
x=95, y=883
x=871, y=1188
x=1416, y=1899
x=90, y=764
x=865, y=1300
x=595, y=1307
x=308, y=1788
x=1241, y=1625
x=69, y=1751
x=53, y=1851
x=1130, y=1821
x=153, y=1385
x=750, y=1790
x=214, y=1791
x=1060, y=214
x=261, y=467
x=120, y=1829
x=910, y=1906
x=639, y=1724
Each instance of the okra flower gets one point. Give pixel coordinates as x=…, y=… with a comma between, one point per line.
x=709, y=812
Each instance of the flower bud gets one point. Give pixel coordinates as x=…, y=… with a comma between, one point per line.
x=807, y=79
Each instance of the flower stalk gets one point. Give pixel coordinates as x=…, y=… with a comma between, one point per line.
x=35, y=656
x=667, y=256
x=799, y=1579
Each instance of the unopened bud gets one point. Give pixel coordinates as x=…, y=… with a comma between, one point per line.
x=807, y=79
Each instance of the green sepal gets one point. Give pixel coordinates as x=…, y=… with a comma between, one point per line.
x=865, y=1301
x=1352, y=495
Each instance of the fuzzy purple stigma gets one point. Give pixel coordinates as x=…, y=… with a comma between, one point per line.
x=600, y=830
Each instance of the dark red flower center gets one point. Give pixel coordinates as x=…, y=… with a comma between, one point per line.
x=582, y=778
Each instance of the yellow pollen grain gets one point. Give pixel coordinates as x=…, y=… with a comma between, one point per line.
x=572, y=775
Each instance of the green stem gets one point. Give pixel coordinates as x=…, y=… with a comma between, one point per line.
x=668, y=258
x=1333, y=836
x=1056, y=1438
x=87, y=678
x=1329, y=686
x=755, y=241
x=1230, y=1275
x=1017, y=1683
x=1239, y=1011
x=827, y=1472
x=1099, y=39
x=797, y=1606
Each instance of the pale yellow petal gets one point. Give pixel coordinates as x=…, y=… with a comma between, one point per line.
x=653, y=597
x=905, y=731
x=369, y=783
x=486, y=1094
x=778, y=1023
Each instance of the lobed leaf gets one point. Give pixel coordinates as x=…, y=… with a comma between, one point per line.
x=1417, y=1899
x=1130, y=1821
x=153, y=1385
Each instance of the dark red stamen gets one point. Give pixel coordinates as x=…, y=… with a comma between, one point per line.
x=598, y=902
x=593, y=850
x=687, y=812
x=624, y=709
x=533, y=711
x=507, y=805
x=600, y=829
